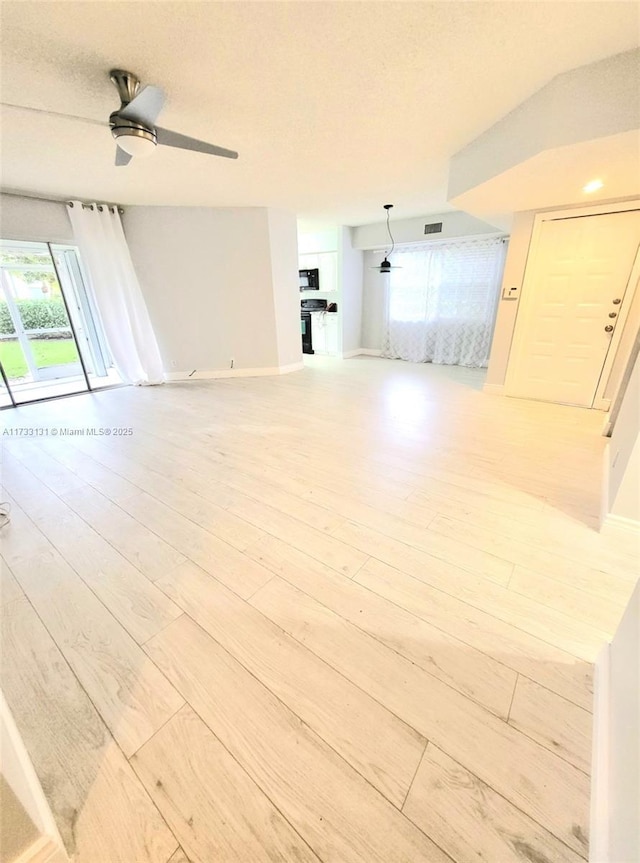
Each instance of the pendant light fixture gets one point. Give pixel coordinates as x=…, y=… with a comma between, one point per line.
x=386, y=266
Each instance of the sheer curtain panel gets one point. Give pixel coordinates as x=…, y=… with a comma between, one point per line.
x=442, y=303
x=105, y=255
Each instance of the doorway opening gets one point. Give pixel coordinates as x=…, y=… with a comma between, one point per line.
x=51, y=339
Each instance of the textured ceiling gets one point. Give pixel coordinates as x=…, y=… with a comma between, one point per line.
x=335, y=107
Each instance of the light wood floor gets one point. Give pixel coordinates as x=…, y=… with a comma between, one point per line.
x=346, y=615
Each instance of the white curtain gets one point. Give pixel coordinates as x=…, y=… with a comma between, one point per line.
x=442, y=302
x=105, y=255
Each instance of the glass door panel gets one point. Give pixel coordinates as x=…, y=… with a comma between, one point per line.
x=38, y=350
x=85, y=318
x=51, y=338
x=5, y=396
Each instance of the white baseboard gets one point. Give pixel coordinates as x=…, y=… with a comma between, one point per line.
x=208, y=374
x=346, y=355
x=292, y=367
x=366, y=352
x=493, y=389
x=619, y=522
x=600, y=757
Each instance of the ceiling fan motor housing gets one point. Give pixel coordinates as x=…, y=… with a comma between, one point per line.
x=128, y=86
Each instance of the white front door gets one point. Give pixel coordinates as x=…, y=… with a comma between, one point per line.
x=573, y=292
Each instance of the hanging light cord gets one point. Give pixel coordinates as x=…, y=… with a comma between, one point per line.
x=393, y=242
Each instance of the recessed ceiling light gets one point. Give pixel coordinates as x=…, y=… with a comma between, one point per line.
x=593, y=186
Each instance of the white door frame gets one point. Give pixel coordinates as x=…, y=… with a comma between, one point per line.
x=599, y=402
x=20, y=775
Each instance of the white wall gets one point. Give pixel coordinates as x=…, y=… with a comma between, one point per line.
x=374, y=299
x=454, y=224
x=624, y=783
x=624, y=453
x=324, y=239
x=283, y=243
x=350, y=266
x=208, y=279
x=23, y=218
x=514, y=270
x=615, y=795
x=627, y=500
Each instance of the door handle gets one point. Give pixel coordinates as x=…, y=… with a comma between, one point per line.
x=608, y=328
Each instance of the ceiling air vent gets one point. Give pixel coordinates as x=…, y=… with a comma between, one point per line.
x=433, y=228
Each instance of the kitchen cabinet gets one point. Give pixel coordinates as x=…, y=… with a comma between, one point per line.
x=327, y=265
x=324, y=333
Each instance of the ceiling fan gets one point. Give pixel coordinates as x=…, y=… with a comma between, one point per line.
x=133, y=124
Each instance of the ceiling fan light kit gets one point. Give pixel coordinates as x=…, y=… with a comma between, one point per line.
x=134, y=141
x=386, y=266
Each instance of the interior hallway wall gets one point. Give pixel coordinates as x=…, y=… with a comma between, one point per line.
x=374, y=300
x=514, y=270
x=616, y=836
x=283, y=245
x=624, y=453
x=351, y=273
x=208, y=278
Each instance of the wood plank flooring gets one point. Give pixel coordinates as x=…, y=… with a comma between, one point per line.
x=102, y=811
x=347, y=615
x=238, y=823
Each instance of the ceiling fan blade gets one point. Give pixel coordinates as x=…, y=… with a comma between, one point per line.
x=183, y=142
x=145, y=107
x=122, y=158
x=54, y=114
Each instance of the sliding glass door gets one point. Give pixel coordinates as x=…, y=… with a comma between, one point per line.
x=6, y=399
x=51, y=340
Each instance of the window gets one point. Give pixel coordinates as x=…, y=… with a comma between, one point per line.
x=442, y=301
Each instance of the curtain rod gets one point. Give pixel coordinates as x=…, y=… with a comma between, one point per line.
x=53, y=200
x=99, y=207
